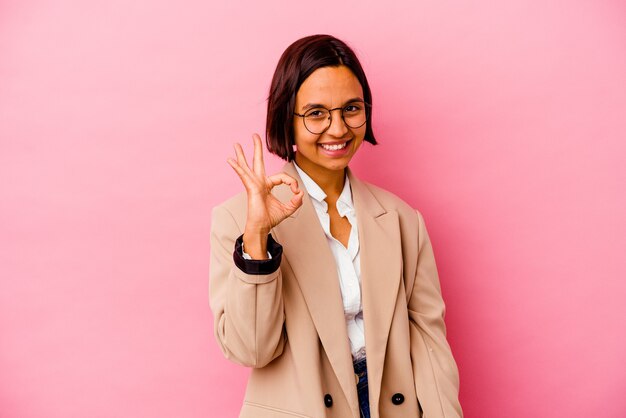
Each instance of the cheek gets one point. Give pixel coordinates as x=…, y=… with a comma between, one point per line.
x=360, y=135
x=358, y=144
x=298, y=132
x=302, y=137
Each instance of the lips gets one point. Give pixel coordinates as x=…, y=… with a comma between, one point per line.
x=336, y=149
x=335, y=145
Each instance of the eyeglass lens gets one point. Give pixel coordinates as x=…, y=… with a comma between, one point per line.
x=317, y=120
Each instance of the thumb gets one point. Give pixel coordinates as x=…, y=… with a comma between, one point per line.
x=295, y=202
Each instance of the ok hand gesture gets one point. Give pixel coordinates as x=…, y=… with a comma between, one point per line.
x=264, y=210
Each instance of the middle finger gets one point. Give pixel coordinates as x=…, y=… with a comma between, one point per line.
x=257, y=164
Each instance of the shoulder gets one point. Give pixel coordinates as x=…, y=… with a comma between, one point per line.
x=410, y=219
x=234, y=208
x=392, y=201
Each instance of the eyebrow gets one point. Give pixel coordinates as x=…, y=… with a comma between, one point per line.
x=314, y=105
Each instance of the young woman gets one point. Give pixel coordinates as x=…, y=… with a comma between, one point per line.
x=324, y=284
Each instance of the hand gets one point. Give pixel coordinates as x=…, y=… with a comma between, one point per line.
x=264, y=210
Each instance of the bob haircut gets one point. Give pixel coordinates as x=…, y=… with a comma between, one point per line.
x=298, y=61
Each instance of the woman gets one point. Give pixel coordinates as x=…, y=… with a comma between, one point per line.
x=324, y=284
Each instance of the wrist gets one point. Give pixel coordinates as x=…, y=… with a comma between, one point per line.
x=252, y=266
x=255, y=245
x=254, y=230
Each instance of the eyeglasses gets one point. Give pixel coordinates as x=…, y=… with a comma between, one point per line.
x=317, y=120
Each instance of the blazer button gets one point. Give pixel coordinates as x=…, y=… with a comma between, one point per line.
x=397, y=399
x=328, y=400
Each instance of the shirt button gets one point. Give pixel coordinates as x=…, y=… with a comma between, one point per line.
x=328, y=400
x=397, y=399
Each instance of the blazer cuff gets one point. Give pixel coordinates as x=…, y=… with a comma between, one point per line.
x=258, y=266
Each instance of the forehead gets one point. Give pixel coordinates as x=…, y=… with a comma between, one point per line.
x=330, y=86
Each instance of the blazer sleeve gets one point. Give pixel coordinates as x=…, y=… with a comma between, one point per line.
x=435, y=370
x=247, y=305
x=251, y=266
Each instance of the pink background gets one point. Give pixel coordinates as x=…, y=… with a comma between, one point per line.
x=503, y=122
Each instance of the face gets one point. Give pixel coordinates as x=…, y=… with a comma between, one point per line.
x=330, y=87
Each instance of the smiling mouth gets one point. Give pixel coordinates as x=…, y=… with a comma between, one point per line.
x=335, y=147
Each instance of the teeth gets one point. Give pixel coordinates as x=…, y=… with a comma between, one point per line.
x=334, y=147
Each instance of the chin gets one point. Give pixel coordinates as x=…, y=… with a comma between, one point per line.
x=336, y=165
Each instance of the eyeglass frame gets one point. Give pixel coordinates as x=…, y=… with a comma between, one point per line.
x=367, y=109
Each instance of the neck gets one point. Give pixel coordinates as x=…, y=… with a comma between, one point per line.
x=330, y=181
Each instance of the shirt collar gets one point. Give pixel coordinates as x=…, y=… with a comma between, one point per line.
x=344, y=202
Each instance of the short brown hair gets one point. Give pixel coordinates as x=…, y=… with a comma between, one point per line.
x=298, y=61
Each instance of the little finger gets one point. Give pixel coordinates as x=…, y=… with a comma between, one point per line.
x=241, y=158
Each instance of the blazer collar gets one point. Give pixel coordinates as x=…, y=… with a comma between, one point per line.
x=370, y=204
x=307, y=252
x=344, y=202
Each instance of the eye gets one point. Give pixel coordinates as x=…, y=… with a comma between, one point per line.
x=352, y=108
x=316, y=113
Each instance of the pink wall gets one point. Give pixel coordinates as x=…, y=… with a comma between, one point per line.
x=504, y=122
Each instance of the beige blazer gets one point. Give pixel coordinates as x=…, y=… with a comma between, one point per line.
x=289, y=325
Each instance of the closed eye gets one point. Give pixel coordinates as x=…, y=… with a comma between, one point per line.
x=316, y=113
x=352, y=108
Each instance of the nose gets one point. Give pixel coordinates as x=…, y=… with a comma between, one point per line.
x=337, y=126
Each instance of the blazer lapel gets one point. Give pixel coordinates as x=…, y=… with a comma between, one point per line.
x=306, y=248
x=381, y=273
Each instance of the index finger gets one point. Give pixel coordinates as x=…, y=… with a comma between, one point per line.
x=280, y=178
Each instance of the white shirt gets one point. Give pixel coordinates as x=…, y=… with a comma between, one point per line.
x=347, y=259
